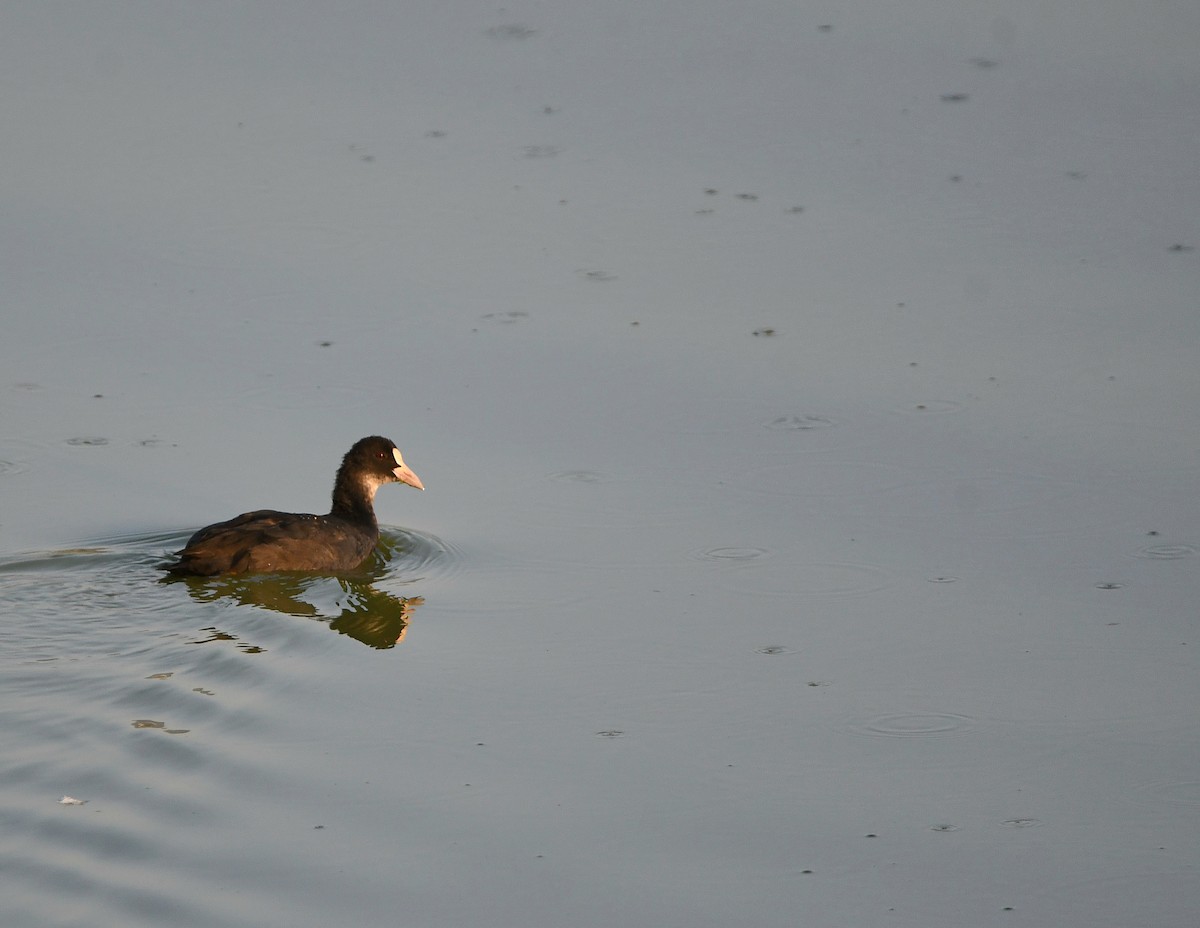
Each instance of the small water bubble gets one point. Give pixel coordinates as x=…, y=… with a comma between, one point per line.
x=579, y=476
x=919, y=725
x=745, y=553
x=799, y=423
x=1168, y=552
x=511, y=31
x=932, y=407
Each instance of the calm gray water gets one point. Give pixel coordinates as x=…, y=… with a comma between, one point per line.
x=806, y=398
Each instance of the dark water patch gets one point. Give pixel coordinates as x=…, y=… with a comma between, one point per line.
x=87, y=440
x=505, y=318
x=160, y=726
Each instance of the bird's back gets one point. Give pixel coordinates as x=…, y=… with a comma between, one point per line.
x=266, y=540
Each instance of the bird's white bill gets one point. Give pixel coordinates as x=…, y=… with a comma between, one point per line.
x=404, y=473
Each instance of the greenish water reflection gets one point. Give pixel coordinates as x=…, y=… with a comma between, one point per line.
x=375, y=617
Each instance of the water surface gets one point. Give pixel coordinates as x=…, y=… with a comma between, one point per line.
x=807, y=404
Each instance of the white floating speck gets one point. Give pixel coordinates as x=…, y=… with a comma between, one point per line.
x=71, y=801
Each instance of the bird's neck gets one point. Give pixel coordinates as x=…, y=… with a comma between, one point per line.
x=354, y=500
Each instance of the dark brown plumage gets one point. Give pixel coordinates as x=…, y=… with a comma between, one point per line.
x=266, y=540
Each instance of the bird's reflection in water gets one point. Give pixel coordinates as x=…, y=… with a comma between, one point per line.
x=375, y=617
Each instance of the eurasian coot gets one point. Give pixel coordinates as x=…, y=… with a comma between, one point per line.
x=266, y=540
